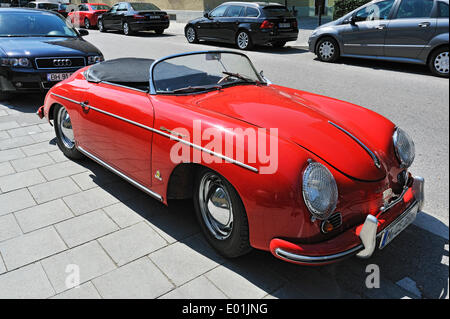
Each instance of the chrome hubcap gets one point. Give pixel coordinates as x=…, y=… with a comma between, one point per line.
x=441, y=63
x=125, y=28
x=190, y=34
x=215, y=206
x=326, y=50
x=65, y=128
x=243, y=40
x=100, y=25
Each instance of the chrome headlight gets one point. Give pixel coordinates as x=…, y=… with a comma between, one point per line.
x=319, y=190
x=404, y=147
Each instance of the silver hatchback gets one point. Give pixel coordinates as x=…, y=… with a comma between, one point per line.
x=411, y=31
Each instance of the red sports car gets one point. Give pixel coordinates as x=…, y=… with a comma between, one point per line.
x=87, y=14
x=308, y=177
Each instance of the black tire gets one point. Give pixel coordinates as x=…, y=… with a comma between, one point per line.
x=435, y=62
x=327, y=50
x=70, y=152
x=5, y=96
x=126, y=28
x=243, y=40
x=237, y=242
x=87, y=24
x=100, y=26
x=159, y=31
x=279, y=44
x=191, y=34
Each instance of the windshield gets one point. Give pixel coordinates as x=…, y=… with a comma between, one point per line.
x=33, y=24
x=202, y=71
x=143, y=6
x=100, y=7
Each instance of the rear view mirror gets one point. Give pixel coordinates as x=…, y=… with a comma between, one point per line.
x=206, y=15
x=213, y=57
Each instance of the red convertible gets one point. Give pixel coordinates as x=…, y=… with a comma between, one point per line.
x=87, y=14
x=310, y=178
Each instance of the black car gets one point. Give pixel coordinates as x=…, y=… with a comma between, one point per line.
x=131, y=17
x=245, y=24
x=38, y=49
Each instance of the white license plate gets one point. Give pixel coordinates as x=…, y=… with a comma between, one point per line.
x=56, y=77
x=284, y=25
x=398, y=226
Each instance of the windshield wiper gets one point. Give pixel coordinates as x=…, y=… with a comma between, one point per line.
x=192, y=89
x=241, y=77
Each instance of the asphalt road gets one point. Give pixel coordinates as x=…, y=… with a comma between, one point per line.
x=415, y=265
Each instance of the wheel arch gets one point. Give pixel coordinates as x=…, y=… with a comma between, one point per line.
x=327, y=35
x=437, y=47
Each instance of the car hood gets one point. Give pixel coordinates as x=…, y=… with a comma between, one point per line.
x=304, y=119
x=44, y=46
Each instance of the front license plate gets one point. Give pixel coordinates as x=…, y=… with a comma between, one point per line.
x=398, y=226
x=56, y=77
x=284, y=25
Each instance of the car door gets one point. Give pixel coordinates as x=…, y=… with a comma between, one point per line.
x=81, y=14
x=366, y=33
x=208, y=27
x=229, y=23
x=108, y=17
x=119, y=17
x=411, y=29
x=113, y=130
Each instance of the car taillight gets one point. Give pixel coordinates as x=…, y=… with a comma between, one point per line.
x=295, y=24
x=167, y=17
x=138, y=16
x=267, y=25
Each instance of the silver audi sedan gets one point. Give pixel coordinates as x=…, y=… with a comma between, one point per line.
x=411, y=31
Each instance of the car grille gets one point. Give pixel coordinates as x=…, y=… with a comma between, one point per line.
x=60, y=62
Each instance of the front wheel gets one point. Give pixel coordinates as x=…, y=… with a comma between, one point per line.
x=243, y=40
x=64, y=133
x=328, y=50
x=439, y=62
x=221, y=214
x=191, y=35
x=100, y=25
x=87, y=24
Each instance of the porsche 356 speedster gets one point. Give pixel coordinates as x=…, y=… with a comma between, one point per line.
x=309, y=178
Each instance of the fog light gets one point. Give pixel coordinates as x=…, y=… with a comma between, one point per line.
x=19, y=84
x=327, y=227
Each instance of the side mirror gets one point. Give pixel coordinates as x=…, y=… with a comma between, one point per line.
x=206, y=15
x=353, y=20
x=83, y=32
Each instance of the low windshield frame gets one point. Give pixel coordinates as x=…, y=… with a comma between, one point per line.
x=153, y=90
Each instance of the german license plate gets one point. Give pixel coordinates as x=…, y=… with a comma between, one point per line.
x=284, y=25
x=398, y=226
x=56, y=77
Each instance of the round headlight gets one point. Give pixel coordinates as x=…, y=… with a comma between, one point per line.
x=319, y=190
x=404, y=147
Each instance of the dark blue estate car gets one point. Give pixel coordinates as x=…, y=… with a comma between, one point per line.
x=38, y=49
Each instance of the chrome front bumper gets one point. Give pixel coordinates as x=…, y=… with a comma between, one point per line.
x=368, y=235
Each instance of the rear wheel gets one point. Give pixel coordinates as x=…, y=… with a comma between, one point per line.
x=438, y=63
x=328, y=50
x=100, y=25
x=87, y=24
x=64, y=133
x=221, y=214
x=243, y=40
x=191, y=35
x=126, y=29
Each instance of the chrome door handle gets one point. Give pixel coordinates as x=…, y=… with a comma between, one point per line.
x=424, y=24
x=381, y=27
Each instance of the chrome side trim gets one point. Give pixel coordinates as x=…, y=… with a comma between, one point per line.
x=316, y=259
x=172, y=137
x=372, y=154
x=120, y=174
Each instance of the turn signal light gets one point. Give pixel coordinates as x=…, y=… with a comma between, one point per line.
x=267, y=25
